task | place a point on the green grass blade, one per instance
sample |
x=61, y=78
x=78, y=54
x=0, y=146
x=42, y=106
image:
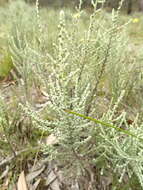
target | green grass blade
x=104, y=124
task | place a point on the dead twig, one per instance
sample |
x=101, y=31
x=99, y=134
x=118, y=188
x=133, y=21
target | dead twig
x=10, y=158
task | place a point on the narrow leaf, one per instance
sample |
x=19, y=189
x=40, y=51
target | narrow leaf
x=21, y=185
x=104, y=124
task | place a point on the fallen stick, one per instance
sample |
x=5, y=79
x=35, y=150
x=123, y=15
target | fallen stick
x=10, y=158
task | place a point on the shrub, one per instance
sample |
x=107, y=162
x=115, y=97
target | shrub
x=87, y=69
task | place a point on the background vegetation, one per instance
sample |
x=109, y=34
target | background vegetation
x=53, y=61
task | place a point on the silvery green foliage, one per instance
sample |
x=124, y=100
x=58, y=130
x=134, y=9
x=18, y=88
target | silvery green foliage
x=71, y=78
x=124, y=152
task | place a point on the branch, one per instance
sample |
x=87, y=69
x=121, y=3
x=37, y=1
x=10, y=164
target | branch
x=10, y=158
